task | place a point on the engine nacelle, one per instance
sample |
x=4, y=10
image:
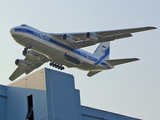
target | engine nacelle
x=28, y=54
x=20, y=63
x=68, y=38
x=92, y=37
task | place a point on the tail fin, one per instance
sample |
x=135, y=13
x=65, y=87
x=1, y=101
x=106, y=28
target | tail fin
x=103, y=50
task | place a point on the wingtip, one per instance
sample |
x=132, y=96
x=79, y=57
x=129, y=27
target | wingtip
x=11, y=79
x=88, y=75
x=152, y=27
x=137, y=59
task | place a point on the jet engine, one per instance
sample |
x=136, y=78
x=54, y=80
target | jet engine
x=28, y=54
x=20, y=63
x=68, y=38
x=92, y=37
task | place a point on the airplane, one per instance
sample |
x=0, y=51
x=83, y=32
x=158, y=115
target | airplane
x=63, y=49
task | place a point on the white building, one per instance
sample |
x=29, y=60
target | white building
x=48, y=95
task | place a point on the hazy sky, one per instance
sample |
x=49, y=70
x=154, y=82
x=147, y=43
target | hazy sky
x=131, y=89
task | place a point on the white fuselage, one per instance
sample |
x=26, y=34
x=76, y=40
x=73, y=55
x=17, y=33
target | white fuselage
x=55, y=49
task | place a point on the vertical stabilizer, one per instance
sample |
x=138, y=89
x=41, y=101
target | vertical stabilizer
x=103, y=50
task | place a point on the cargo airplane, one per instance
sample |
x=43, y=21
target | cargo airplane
x=64, y=49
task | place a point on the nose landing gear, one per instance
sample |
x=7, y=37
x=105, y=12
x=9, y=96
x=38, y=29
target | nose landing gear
x=56, y=65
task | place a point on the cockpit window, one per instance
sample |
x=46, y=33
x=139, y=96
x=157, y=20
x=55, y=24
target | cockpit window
x=24, y=25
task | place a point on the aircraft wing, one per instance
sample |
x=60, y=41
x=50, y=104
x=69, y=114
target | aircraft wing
x=18, y=72
x=31, y=64
x=80, y=40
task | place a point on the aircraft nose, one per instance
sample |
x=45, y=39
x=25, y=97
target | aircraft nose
x=12, y=31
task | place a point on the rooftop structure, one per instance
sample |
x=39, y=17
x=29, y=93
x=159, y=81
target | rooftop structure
x=48, y=95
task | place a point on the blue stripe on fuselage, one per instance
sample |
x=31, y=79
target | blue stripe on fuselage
x=99, y=61
x=43, y=37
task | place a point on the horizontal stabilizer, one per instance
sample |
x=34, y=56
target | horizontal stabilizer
x=91, y=73
x=120, y=61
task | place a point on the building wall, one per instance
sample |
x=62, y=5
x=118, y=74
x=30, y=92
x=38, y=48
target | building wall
x=3, y=102
x=18, y=91
x=54, y=98
x=62, y=97
x=95, y=114
x=17, y=107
